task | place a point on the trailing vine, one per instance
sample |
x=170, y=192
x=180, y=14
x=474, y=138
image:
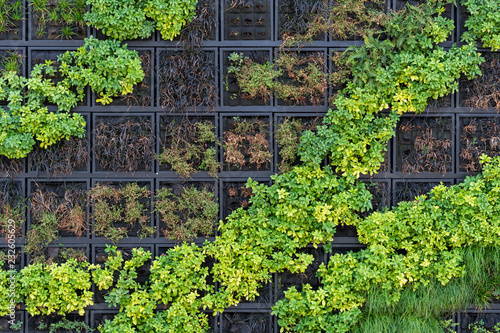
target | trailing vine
x=434, y=245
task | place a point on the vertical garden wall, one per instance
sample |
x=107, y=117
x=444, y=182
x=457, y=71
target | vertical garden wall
x=164, y=163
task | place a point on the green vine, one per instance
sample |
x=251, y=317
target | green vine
x=436, y=254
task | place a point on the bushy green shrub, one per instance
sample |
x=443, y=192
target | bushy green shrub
x=108, y=67
x=131, y=19
x=483, y=23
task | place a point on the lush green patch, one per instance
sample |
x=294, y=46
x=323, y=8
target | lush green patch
x=131, y=19
x=483, y=23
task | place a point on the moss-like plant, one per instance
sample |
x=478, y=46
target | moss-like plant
x=188, y=215
x=119, y=210
x=190, y=147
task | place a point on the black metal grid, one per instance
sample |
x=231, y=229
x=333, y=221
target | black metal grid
x=221, y=46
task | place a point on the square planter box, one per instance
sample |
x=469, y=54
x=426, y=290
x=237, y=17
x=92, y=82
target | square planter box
x=5, y=323
x=294, y=17
x=60, y=190
x=49, y=23
x=99, y=257
x=132, y=232
x=479, y=94
x=409, y=189
x=181, y=130
x=123, y=144
x=46, y=321
x=16, y=263
x=310, y=56
x=287, y=279
x=486, y=319
x=343, y=39
x=381, y=192
x=246, y=321
x=231, y=95
x=234, y=194
x=477, y=136
x=11, y=167
x=99, y=317
x=38, y=55
x=42, y=323
x=177, y=189
x=13, y=192
x=203, y=27
x=15, y=27
x=60, y=253
x=187, y=80
x=8, y=52
x=63, y=159
x=246, y=151
x=300, y=123
x=142, y=96
x=247, y=19
x=424, y=145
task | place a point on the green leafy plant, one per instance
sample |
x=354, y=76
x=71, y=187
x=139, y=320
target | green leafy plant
x=483, y=23
x=120, y=19
x=478, y=327
x=345, y=20
x=56, y=288
x=108, y=67
x=356, y=133
x=68, y=325
x=23, y=124
x=437, y=240
x=136, y=305
x=124, y=205
x=297, y=80
x=177, y=279
x=190, y=147
x=288, y=138
x=132, y=19
x=187, y=215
